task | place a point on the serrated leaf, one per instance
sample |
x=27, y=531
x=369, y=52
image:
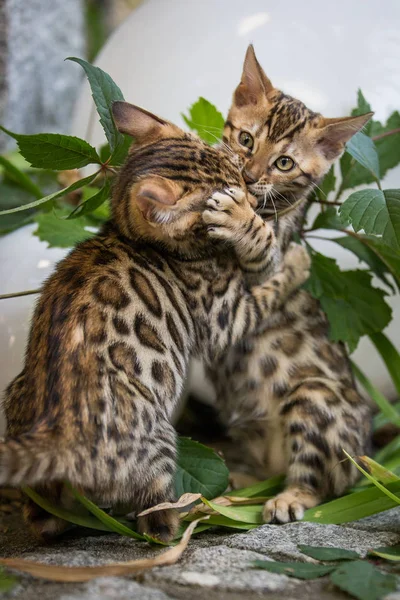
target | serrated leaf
x=55, y=151
x=362, y=108
x=199, y=469
x=387, y=552
x=61, y=233
x=376, y=212
x=362, y=148
x=120, y=153
x=327, y=553
x=206, y=120
x=294, y=569
x=104, y=92
x=362, y=580
x=390, y=257
x=327, y=185
x=20, y=178
x=365, y=254
x=352, y=507
x=328, y=219
x=92, y=203
x=51, y=197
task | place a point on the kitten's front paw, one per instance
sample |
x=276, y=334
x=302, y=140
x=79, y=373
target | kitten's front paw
x=283, y=509
x=226, y=213
x=298, y=261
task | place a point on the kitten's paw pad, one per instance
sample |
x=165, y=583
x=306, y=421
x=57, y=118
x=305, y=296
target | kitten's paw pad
x=162, y=525
x=283, y=509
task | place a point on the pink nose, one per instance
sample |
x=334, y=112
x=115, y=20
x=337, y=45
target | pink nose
x=249, y=177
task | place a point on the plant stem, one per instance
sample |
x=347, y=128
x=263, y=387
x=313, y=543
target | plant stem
x=17, y=294
x=327, y=202
x=386, y=134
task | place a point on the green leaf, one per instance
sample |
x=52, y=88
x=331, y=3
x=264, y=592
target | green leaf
x=83, y=520
x=206, y=120
x=92, y=203
x=60, y=233
x=378, y=471
x=390, y=356
x=327, y=553
x=20, y=178
x=362, y=580
x=353, y=506
x=121, y=151
x=380, y=400
x=10, y=197
x=7, y=582
x=55, y=151
x=243, y=514
x=375, y=211
x=111, y=523
x=347, y=297
x=362, y=148
x=269, y=487
x=328, y=219
x=363, y=107
x=387, y=552
x=328, y=184
x=53, y=196
x=388, y=147
x=390, y=257
x=200, y=470
x=104, y=92
x=366, y=254
x=294, y=569
x=373, y=480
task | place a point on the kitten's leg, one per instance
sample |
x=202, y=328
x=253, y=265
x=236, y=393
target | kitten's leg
x=319, y=418
x=160, y=487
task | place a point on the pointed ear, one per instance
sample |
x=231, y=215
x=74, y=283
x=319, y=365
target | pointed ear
x=155, y=196
x=141, y=124
x=254, y=83
x=334, y=133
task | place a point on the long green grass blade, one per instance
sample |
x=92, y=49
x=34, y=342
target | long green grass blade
x=111, y=523
x=269, y=487
x=373, y=480
x=353, y=506
x=390, y=356
x=82, y=520
x=243, y=514
x=384, y=405
x=387, y=552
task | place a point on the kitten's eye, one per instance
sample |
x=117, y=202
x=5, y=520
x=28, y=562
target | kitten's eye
x=284, y=163
x=246, y=140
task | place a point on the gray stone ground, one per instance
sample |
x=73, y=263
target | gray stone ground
x=215, y=566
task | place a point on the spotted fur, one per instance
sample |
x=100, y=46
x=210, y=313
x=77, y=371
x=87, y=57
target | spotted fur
x=286, y=394
x=116, y=323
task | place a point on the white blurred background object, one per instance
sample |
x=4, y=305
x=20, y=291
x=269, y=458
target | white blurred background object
x=169, y=52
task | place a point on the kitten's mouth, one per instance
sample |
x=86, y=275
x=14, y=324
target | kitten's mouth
x=270, y=201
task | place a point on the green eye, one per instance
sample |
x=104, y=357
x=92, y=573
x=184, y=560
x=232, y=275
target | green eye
x=284, y=163
x=246, y=140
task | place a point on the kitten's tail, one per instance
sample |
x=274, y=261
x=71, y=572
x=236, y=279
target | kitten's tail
x=31, y=459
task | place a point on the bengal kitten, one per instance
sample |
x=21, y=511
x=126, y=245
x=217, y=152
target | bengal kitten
x=116, y=323
x=286, y=394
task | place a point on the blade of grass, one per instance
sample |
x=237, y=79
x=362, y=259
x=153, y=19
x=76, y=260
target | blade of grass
x=378, y=471
x=353, y=506
x=384, y=405
x=82, y=520
x=390, y=356
x=102, y=516
x=243, y=514
x=269, y=487
x=373, y=480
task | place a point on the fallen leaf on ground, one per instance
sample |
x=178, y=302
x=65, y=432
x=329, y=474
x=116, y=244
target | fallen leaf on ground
x=81, y=574
x=183, y=501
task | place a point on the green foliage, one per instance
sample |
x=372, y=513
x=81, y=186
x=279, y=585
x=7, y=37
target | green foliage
x=328, y=553
x=387, y=552
x=7, y=582
x=199, y=470
x=362, y=580
x=60, y=232
x=376, y=212
x=347, y=297
x=294, y=569
x=362, y=148
x=206, y=120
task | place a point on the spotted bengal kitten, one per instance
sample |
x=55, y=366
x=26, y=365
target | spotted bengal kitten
x=118, y=320
x=286, y=394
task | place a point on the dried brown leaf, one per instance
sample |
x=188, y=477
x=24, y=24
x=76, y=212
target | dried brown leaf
x=183, y=501
x=81, y=574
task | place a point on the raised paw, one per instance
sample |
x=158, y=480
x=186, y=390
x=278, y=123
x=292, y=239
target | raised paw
x=226, y=213
x=288, y=506
x=162, y=525
x=298, y=261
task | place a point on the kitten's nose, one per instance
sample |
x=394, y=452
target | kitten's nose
x=249, y=177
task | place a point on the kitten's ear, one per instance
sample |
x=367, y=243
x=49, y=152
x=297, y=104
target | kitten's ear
x=334, y=133
x=254, y=83
x=141, y=124
x=155, y=196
